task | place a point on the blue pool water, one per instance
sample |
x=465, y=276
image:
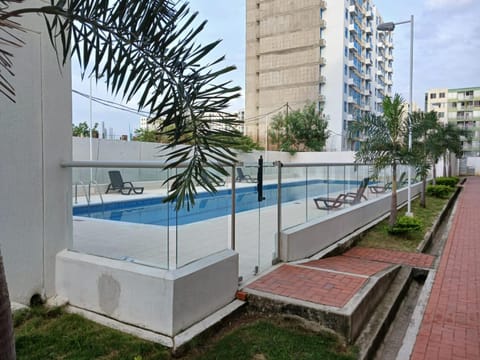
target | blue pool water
x=207, y=206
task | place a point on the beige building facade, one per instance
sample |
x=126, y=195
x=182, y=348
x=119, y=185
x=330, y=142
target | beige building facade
x=325, y=52
x=460, y=106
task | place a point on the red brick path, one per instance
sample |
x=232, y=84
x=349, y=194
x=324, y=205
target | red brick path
x=333, y=281
x=451, y=324
x=392, y=256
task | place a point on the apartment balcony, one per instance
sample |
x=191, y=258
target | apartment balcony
x=380, y=59
x=322, y=79
x=368, y=61
x=352, y=9
x=388, y=81
x=369, y=14
x=351, y=46
x=378, y=100
x=322, y=24
x=368, y=45
x=350, y=100
x=388, y=56
x=351, y=28
x=366, y=107
x=381, y=45
x=322, y=43
x=389, y=69
x=368, y=29
x=323, y=5
x=351, y=64
x=349, y=117
x=321, y=98
x=380, y=73
x=350, y=82
x=322, y=61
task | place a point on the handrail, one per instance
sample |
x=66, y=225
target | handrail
x=128, y=164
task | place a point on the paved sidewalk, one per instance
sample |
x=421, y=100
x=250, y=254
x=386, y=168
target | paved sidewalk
x=451, y=324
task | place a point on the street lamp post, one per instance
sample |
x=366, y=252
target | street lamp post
x=390, y=26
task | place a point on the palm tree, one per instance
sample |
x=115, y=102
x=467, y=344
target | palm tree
x=425, y=148
x=144, y=49
x=382, y=142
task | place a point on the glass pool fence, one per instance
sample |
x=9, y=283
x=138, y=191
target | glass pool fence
x=251, y=207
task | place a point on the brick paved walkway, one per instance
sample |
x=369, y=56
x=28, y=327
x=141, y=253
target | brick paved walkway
x=335, y=280
x=451, y=324
x=392, y=256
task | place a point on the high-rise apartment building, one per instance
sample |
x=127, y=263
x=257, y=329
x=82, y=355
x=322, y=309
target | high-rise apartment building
x=326, y=52
x=461, y=107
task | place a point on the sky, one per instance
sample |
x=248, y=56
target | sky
x=446, y=52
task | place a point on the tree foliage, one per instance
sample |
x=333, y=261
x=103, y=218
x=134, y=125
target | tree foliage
x=299, y=130
x=83, y=130
x=146, y=135
x=144, y=49
x=383, y=142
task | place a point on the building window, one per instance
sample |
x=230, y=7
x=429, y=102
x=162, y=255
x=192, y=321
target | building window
x=346, y=33
x=346, y=14
x=441, y=95
x=346, y=51
x=345, y=70
x=441, y=114
x=345, y=88
x=345, y=108
x=433, y=96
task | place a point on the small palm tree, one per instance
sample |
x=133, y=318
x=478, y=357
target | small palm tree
x=382, y=142
x=425, y=147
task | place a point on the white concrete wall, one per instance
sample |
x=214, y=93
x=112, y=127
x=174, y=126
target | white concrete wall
x=35, y=197
x=117, y=150
x=165, y=301
x=306, y=240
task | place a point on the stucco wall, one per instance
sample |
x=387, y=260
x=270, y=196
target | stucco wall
x=307, y=239
x=37, y=137
x=166, y=301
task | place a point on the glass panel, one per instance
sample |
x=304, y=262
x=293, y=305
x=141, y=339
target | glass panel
x=128, y=223
x=204, y=229
x=256, y=221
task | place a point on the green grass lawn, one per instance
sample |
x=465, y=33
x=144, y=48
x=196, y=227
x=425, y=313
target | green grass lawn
x=378, y=236
x=53, y=334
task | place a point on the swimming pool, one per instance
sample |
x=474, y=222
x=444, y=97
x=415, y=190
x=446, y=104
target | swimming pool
x=207, y=206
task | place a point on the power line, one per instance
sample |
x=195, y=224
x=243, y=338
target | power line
x=263, y=115
x=112, y=104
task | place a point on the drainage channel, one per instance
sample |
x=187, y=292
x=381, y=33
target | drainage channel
x=394, y=338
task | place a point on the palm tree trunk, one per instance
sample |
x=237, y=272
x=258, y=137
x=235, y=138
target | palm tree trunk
x=444, y=165
x=434, y=174
x=393, y=206
x=423, y=198
x=7, y=341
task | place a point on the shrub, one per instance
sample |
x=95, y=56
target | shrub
x=406, y=224
x=439, y=191
x=447, y=181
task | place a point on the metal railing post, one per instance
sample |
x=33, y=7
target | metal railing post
x=233, y=244
x=279, y=208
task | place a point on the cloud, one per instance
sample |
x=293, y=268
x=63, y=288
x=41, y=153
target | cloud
x=443, y=4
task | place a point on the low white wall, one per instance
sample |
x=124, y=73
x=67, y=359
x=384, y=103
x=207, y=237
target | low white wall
x=305, y=240
x=165, y=301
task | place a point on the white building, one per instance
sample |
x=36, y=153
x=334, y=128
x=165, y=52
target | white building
x=326, y=52
x=437, y=100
